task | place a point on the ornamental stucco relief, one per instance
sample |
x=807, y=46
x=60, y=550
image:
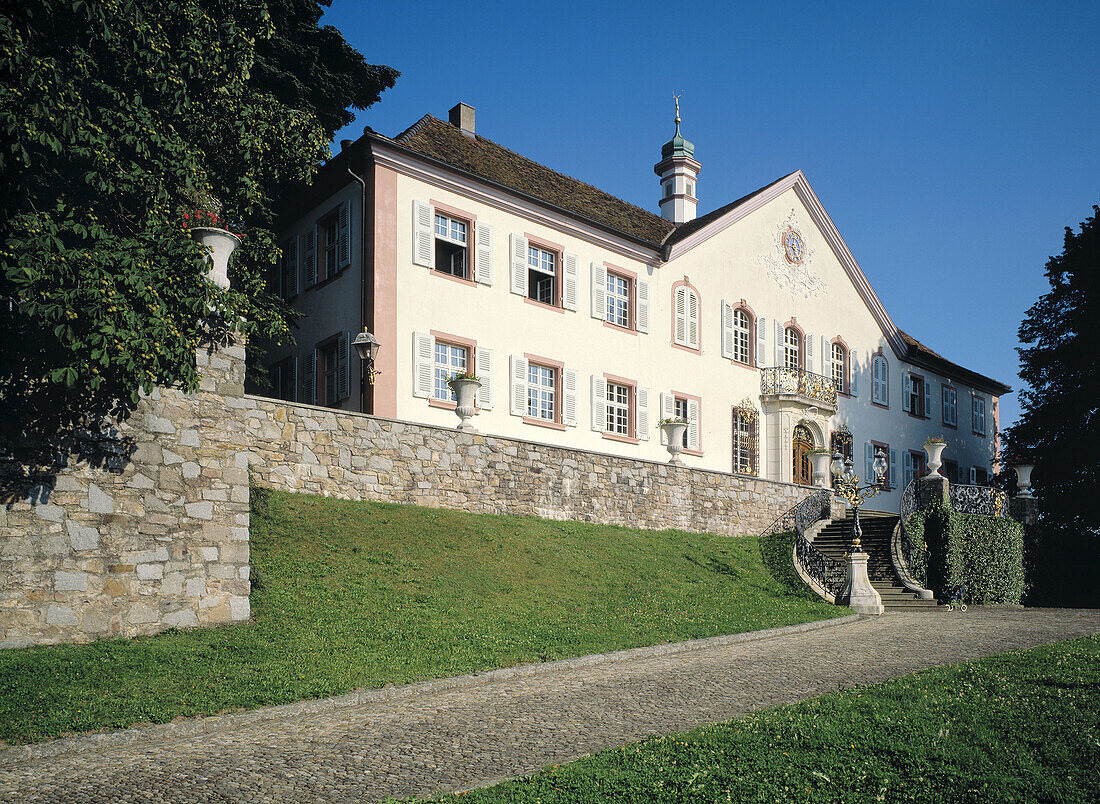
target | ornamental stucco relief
x=789, y=264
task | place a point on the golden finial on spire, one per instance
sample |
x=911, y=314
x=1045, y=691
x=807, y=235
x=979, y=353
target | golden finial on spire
x=677, y=99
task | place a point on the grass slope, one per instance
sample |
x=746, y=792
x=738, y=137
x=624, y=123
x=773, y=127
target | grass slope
x=1018, y=727
x=353, y=595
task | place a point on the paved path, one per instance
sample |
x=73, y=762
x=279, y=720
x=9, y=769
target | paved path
x=469, y=736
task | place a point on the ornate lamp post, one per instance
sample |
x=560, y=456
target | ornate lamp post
x=367, y=346
x=858, y=592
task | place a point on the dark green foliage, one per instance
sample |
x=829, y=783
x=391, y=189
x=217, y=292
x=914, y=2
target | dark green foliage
x=1059, y=429
x=351, y=595
x=1012, y=728
x=986, y=553
x=119, y=119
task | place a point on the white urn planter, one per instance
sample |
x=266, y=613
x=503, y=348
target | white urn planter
x=1023, y=478
x=674, y=438
x=819, y=468
x=466, y=393
x=219, y=245
x=934, y=449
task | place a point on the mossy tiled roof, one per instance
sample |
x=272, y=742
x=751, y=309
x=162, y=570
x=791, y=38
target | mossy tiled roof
x=484, y=158
x=917, y=351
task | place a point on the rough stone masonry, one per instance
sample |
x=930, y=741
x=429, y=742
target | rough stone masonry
x=162, y=544
x=165, y=543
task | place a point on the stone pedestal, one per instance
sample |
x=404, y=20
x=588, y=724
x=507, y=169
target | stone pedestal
x=858, y=593
x=932, y=491
x=1024, y=510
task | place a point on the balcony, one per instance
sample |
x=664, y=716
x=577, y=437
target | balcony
x=797, y=385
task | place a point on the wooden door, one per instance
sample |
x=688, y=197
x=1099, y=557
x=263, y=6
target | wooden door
x=803, y=443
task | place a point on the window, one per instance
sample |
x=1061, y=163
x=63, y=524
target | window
x=950, y=408
x=686, y=317
x=742, y=336
x=977, y=415
x=979, y=476
x=691, y=188
x=841, y=441
x=284, y=380
x=542, y=275
x=915, y=395
x=618, y=409
x=915, y=466
x=681, y=412
x=880, y=381
x=327, y=370
x=449, y=361
x=667, y=189
x=328, y=229
x=288, y=269
x=618, y=300
x=840, y=368
x=542, y=384
x=792, y=348
x=871, y=449
x=451, y=242
x=745, y=440
x=950, y=470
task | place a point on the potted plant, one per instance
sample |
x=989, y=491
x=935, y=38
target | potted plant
x=465, y=386
x=933, y=448
x=673, y=430
x=819, y=462
x=206, y=224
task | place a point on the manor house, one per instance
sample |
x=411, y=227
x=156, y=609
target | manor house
x=589, y=319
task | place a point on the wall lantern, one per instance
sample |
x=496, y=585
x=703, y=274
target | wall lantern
x=367, y=346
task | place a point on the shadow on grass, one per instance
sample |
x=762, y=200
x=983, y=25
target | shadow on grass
x=775, y=553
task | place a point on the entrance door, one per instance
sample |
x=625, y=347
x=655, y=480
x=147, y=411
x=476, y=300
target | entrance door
x=803, y=443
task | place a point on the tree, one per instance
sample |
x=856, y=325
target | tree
x=1059, y=427
x=121, y=118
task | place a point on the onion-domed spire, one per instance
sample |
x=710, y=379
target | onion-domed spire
x=678, y=171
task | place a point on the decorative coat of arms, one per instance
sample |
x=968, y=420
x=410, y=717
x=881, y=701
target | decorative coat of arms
x=789, y=265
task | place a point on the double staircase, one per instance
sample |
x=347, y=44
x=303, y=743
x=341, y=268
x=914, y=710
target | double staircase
x=835, y=541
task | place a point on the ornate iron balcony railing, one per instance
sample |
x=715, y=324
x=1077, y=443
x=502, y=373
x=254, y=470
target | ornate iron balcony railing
x=797, y=381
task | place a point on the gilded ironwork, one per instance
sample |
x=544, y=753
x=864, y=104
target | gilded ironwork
x=746, y=439
x=981, y=500
x=800, y=382
x=828, y=572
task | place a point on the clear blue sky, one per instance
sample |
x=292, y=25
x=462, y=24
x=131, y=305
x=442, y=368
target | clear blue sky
x=950, y=142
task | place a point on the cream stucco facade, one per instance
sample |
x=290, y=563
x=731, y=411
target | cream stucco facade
x=746, y=258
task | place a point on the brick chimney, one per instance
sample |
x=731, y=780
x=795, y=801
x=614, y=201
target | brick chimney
x=462, y=118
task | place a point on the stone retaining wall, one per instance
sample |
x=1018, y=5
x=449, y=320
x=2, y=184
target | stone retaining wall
x=163, y=543
x=360, y=457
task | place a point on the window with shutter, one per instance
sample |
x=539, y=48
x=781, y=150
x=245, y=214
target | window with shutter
x=289, y=282
x=517, y=373
x=569, y=397
x=423, y=364
x=680, y=332
x=309, y=378
x=641, y=322
x=618, y=300
x=517, y=250
x=343, y=234
x=485, y=374
x=449, y=359
x=727, y=329
x=328, y=245
x=949, y=415
x=811, y=355
x=668, y=411
x=839, y=366
x=569, y=297
x=484, y=254
x=422, y=234
x=599, y=404
x=761, y=341
x=451, y=242
x=686, y=316
x=599, y=291
x=309, y=258
x=906, y=391
x=926, y=410
x=343, y=367
x=880, y=381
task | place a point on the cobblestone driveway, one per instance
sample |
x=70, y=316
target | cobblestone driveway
x=470, y=736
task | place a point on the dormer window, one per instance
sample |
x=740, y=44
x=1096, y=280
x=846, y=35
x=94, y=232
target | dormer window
x=451, y=236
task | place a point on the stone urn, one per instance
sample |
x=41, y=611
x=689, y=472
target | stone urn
x=934, y=449
x=465, y=389
x=1023, y=478
x=674, y=438
x=219, y=244
x=819, y=468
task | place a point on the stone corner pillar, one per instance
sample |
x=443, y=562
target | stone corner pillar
x=858, y=594
x=933, y=490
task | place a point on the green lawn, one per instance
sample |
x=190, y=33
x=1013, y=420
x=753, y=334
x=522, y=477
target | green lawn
x=1020, y=727
x=359, y=595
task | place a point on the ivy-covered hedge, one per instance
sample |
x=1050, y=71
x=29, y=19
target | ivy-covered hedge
x=986, y=553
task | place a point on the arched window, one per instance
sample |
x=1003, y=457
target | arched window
x=746, y=439
x=742, y=336
x=792, y=348
x=880, y=375
x=686, y=318
x=840, y=368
